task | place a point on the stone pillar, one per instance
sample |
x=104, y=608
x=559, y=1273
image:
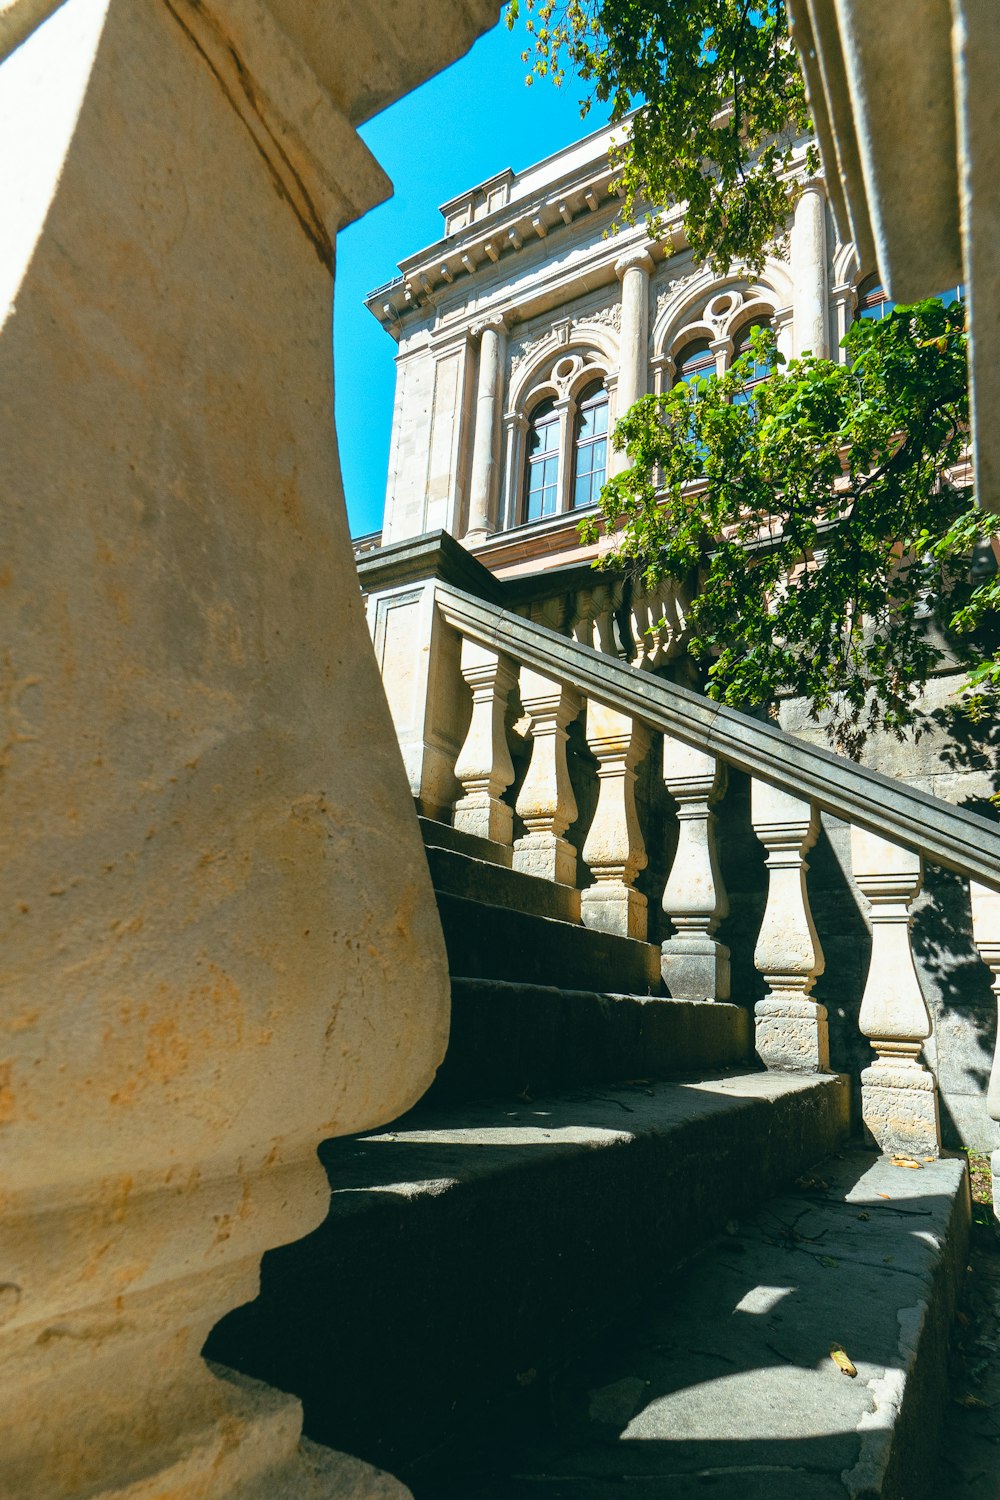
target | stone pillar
x=515, y=427
x=419, y=657
x=809, y=277
x=484, y=482
x=614, y=847
x=545, y=801
x=566, y=411
x=986, y=932
x=843, y=301
x=898, y=1093
x=791, y=1029
x=694, y=966
x=198, y=984
x=633, y=270
x=484, y=767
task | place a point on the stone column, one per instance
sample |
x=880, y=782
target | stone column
x=614, y=847
x=516, y=426
x=633, y=271
x=545, y=801
x=898, y=1093
x=566, y=412
x=809, y=276
x=791, y=1029
x=694, y=966
x=484, y=768
x=484, y=481
x=207, y=835
x=843, y=301
x=986, y=932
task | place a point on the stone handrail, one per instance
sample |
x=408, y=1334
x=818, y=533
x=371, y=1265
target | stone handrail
x=469, y=680
x=947, y=835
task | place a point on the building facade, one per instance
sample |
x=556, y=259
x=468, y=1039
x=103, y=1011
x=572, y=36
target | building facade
x=523, y=334
x=536, y=321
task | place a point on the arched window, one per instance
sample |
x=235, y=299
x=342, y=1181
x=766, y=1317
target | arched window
x=542, y=494
x=759, y=369
x=591, y=445
x=873, y=300
x=695, y=362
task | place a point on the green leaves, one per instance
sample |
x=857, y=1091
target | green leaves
x=817, y=515
x=722, y=101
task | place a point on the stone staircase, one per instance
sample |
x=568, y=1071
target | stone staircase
x=612, y=1250
x=567, y=1227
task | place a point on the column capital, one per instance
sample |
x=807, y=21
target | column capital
x=638, y=258
x=499, y=322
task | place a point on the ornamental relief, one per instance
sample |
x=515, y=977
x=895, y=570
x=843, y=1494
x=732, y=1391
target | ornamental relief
x=525, y=351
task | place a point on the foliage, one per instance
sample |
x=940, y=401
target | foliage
x=722, y=99
x=816, y=515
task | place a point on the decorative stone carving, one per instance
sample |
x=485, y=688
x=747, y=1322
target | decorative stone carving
x=693, y=964
x=591, y=616
x=546, y=802
x=791, y=1029
x=898, y=1093
x=525, y=350
x=614, y=847
x=658, y=625
x=611, y=317
x=484, y=767
x=986, y=932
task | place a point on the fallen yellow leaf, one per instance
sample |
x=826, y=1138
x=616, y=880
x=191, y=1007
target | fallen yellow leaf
x=843, y=1361
x=906, y=1161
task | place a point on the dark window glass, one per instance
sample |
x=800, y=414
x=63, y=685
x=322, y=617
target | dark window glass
x=873, y=300
x=759, y=369
x=695, y=362
x=591, y=455
x=543, y=462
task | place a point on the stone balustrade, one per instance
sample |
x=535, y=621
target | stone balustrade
x=637, y=727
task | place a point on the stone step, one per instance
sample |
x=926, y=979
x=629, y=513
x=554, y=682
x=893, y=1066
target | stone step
x=443, y=836
x=724, y=1385
x=470, y=1249
x=520, y=1039
x=495, y=942
x=456, y=874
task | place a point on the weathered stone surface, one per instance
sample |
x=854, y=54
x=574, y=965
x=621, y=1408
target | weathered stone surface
x=723, y=1382
x=467, y=1247
x=212, y=877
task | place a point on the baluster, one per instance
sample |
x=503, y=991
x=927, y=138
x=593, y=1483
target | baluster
x=546, y=802
x=899, y=1102
x=484, y=766
x=694, y=965
x=614, y=848
x=986, y=932
x=791, y=1028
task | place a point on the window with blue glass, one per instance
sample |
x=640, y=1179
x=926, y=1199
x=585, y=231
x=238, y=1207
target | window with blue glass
x=695, y=362
x=543, y=462
x=759, y=370
x=591, y=446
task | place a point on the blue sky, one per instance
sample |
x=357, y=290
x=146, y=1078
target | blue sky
x=460, y=128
